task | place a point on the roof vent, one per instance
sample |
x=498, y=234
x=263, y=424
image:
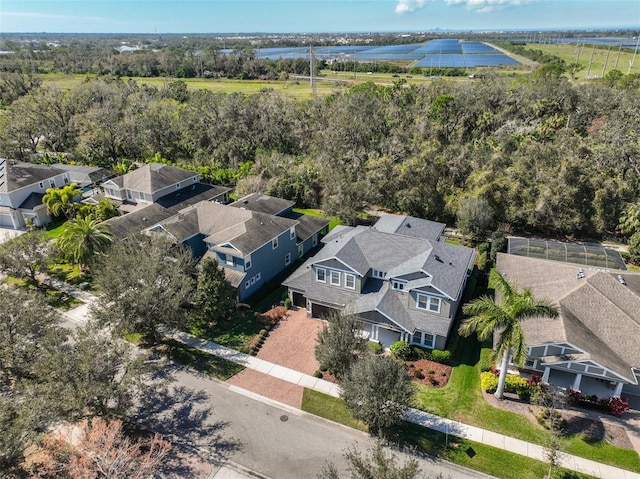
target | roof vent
x=580, y=274
x=438, y=258
x=621, y=279
x=408, y=225
x=246, y=202
x=144, y=219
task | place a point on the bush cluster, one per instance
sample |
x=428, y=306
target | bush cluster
x=401, y=350
x=612, y=405
x=513, y=383
x=259, y=341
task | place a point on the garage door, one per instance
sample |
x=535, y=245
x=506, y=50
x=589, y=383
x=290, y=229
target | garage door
x=298, y=300
x=321, y=311
x=5, y=220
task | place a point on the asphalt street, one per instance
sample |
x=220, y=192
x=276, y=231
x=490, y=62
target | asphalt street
x=275, y=441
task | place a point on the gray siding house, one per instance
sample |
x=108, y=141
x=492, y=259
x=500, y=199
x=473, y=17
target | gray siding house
x=149, y=183
x=309, y=229
x=23, y=185
x=398, y=277
x=593, y=345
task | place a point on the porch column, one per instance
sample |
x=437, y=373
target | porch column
x=545, y=375
x=576, y=382
x=618, y=390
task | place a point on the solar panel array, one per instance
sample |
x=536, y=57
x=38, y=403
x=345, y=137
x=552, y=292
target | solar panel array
x=443, y=53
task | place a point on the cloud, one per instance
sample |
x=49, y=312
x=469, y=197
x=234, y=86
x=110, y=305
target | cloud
x=485, y=6
x=408, y=6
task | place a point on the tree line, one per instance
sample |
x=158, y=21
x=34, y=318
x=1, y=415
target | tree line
x=548, y=156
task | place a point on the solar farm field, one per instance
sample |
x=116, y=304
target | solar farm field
x=443, y=53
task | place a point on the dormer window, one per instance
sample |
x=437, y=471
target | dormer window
x=247, y=263
x=349, y=281
x=229, y=259
x=334, y=278
x=398, y=285
x=321, y=275
x=376, y=273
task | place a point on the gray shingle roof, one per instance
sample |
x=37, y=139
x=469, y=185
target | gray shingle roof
x=364, y=249
x=410, y=226
x=19, y=174
x=152, y=177
x=598, y=314
x=263, y=203
x=245, y=230
x=307, y=225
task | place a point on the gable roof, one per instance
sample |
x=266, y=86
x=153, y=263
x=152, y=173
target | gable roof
x=245, y=230
x=20, y=174
x=152, y=177
x=598, y=313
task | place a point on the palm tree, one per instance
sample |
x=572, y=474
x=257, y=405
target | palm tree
x=61, y=200
x=82, y=238
x=504, y=315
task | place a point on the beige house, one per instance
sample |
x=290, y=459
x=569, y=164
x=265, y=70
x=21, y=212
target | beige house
x=594, y=346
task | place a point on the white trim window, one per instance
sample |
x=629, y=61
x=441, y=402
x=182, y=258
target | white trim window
x=398, y=285
x=287, y=259
x=177, y=186
x=247, y=284
x=274, y=243
x=334, y=278
x=350, y=281
x=52, y=182
x=321, y=275
x=258, y=276
x=247, y=262
x=229, y=259
x=423, y=339
x=428, y=303
x=376, y=273
x=41, y=185
x=141, y=195
x=314, y=240
x=292, y=233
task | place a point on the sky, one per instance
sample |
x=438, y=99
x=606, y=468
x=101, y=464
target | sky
x=311, y=16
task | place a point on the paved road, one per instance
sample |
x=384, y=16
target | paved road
x=277, y=442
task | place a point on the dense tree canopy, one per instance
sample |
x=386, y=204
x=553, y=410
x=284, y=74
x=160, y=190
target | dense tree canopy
x=144, y=282
x=549, y=156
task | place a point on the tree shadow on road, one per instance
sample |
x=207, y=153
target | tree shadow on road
x=185, y=417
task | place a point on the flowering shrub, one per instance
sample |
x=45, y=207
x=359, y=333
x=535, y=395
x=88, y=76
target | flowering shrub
x=613, y=405
x=513, y=383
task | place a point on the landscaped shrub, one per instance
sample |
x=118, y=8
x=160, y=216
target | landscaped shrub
x=375, y=348
x=263, y=332
x=524, y=394
x=419, y=374
x=420, y=353
x=443, y=357
x=488, y=382
x=287, y=303
x=401, y=350
x=612, y=405
x=513, y=383
x=317, y=373
x=430, y=371
x=486, y=359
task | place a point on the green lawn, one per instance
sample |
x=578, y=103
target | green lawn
x=490, y=460
x=69, y=273
x=53, y=230
x=331, y=408
x=568, y=53
x=314, y=212
x=235, y=333
x=206, y=363
x=461, y=399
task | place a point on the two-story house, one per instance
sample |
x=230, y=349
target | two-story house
x=149, y=183
x=593, y=345
x=251, y=247
x=23, y=185
x=309, y=229
x=399, y=278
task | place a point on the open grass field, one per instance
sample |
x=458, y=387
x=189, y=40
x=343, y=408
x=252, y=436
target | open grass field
x=568, y=53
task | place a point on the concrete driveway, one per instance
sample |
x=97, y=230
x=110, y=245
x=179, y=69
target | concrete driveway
x=8, y=233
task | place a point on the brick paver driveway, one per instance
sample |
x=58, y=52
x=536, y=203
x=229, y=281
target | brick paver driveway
x=290, y=344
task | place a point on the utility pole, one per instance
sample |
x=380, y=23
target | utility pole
x=591, y=60
x=633, y=59
x=606, y=60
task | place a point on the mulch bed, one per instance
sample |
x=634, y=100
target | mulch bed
x=419, y=371
x=577, y=422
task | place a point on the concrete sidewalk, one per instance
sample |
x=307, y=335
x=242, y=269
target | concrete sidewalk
x=415, y=416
